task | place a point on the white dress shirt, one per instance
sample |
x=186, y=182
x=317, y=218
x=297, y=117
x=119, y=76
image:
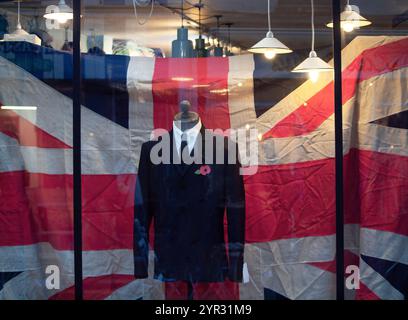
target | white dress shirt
x=190, y=134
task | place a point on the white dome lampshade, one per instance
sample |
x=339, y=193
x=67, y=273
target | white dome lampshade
x=19, y=30
x=20, y=34
x=351, y=19
x=269, y=45
x=62, y=15
x=313, y=65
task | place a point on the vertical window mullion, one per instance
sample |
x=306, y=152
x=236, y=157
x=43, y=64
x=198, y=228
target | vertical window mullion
x=338, y=124
x=77, y=186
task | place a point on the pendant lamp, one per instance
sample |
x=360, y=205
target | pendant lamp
x=218, y=49
x=351, y=19
x=228, y=50
x=269, y=46
x=62, y=14
x=182, y=47
x=19, y=34
x=313, y=65
x=19, y=30
x=200, y=50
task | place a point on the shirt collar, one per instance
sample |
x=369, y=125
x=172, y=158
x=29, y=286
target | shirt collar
x=191, y=134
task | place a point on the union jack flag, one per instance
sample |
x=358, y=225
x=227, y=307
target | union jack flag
x=290, y=235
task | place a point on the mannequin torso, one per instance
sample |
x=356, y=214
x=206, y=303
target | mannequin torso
x=186, y=119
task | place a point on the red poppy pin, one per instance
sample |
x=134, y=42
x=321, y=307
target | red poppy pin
x=204, y=170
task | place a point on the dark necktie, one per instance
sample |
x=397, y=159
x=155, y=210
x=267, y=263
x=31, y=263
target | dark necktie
x=183, y=146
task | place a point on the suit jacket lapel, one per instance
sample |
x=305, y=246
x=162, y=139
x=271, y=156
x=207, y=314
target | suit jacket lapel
x=184, y=169
x=175, y=158
x=190, y=169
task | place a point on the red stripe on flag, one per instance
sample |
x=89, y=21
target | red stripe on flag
x=26, y=133
x=40, y=209
x=290, y=201
x=364, y=293
x=203, y=82
x=15, y=214
x=297, y=200
x=376, y=190
x=108, y=203
x=370, y=63
x=37, y=207
x=325, y=265
x=226, y=290
x=96, y=288
x=283, y=201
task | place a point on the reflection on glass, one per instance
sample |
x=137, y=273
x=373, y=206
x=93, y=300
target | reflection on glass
x=131, y=93
x=36, y=225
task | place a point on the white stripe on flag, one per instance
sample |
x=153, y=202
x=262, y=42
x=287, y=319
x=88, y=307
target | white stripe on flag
x=300, y=281
x=269, y=261
x=54, y=110
x=382, y=96
x=384, y=245
x=352, y=238
x=11, y=158
x=36, y=256
x=241, y=91
x=102, y=138
x=139, y=85
x=32, y=260
x=59, y=161
x=308, y=89
x=148, y=289
x=297, y=250
x=30, y=285
x=253, y=289
x=319, y=144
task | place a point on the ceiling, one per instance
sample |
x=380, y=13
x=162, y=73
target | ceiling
x=290, y=19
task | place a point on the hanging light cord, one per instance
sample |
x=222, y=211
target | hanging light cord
x=182, y=13
x=18, y=13
x=143, y=4
x=229, y=35
x=218, y=31
x=199, y=20
x=269, y=15
x=313, y=27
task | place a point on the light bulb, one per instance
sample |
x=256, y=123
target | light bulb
x=348, y=26
x=270, y=54
x=313, y=76
x=60, y=17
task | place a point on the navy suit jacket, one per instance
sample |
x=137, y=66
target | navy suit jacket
x=188, y=210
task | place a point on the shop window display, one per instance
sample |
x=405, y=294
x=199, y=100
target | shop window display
x=208, y=165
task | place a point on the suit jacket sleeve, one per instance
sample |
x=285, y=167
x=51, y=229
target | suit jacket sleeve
x=142, y=215
x=235, y=207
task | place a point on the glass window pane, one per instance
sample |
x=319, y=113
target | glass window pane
x=374, y=60
x=36, y=219
x=214, y=234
